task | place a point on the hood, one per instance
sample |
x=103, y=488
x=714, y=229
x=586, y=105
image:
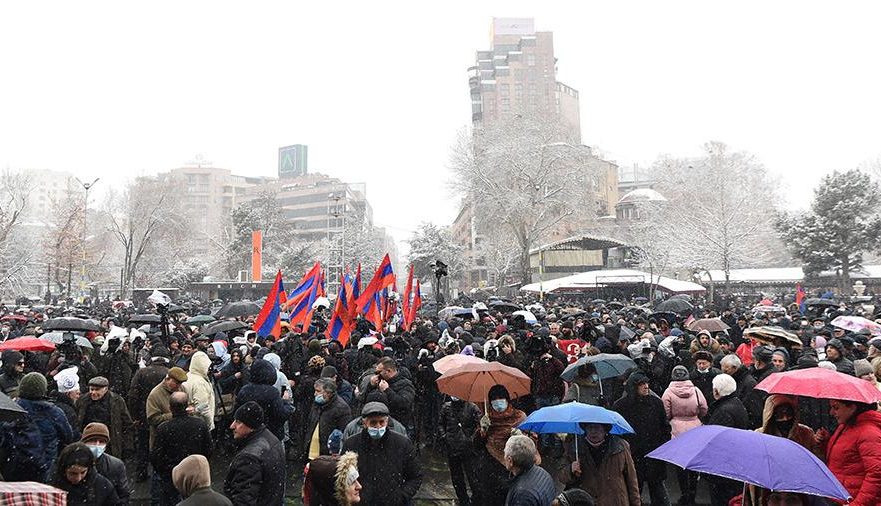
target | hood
x=191, y=474
x=273, y=359
x=199, y=364
x=10, y=358
x=714, y=348
x=771, y=404
x=262, y=373
x=837, y=344
x=635, y=378
x=683, y=389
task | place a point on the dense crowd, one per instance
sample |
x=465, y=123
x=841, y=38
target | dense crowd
x=358, y=417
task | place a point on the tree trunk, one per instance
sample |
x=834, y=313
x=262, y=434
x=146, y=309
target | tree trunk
x=525, y=270
x=844, y=287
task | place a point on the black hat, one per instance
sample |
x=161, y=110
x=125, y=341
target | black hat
x=250, y=414
x=328, y=371
x=702, y=355
x=762, y=353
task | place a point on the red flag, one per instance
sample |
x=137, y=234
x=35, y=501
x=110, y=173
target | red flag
x=268, y=322
x=383, y=278
x=405, y=302
x=410, y=316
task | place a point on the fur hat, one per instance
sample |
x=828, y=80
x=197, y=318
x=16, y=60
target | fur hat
x=346, y=475
x=33, y=386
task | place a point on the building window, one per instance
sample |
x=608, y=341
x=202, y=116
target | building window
x=505, y=104
x=530, y=59
x=504, y=90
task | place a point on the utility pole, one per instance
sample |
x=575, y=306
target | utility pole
x=86, y=187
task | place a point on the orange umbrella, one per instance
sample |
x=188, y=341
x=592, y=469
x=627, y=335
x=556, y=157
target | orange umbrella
x=473, y=381
x=448, y=362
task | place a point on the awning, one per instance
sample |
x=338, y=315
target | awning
x=589, y=280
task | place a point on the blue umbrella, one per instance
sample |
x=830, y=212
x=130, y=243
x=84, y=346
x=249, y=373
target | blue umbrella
x=608, y=365
x=565, y=419
x=770, y=462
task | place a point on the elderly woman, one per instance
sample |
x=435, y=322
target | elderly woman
x=75, y=474
x=491, y=475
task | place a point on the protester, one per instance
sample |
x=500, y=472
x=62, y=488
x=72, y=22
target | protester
x=192, y=479
x=329, y=413
x=199, y=388
x=96, y=436
x=256, y=475
x=491, y=475
x=75, y=474
x=853, y=452
x=603, y=468
x=458, y=422
x=532, y=485
x=13, y=372
x=684, y=406
x=727, y=411
x=158, y=409
x=275, y=408
x=398, y=392
x=54, y=430
x=835, y=353
x=143, y=382
x=66, y=394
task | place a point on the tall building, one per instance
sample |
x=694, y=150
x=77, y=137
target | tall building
x=293, y=161
x=47, y=189
x=518, y=74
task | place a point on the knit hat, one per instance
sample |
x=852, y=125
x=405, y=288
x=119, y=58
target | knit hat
x=11, y=357
x=862, y=367
x=820, y=343
x=680, y=373
x=160, y=353
x=329, y=371
x=250, y=414
x=67, y=380
x=95, y=429
x=836, y=343
x=33, y=386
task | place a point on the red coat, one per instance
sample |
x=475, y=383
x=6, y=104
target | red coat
x=853, y=454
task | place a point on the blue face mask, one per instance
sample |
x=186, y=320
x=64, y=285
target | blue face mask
x=97, y=450
x=376, y=433
x=499, y=405
x=319, y=399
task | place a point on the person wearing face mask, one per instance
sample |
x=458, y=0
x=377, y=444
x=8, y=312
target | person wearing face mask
x=703, y=373
x=489, y=464
x=96, y=436
x=604, y=467
x=389, y=472
x=329, y=412
x=458, y=422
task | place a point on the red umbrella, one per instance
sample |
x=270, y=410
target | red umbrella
x=821, y=383
x=15, y=317
x=473, y=381
x=28, y=343
x=448, y=362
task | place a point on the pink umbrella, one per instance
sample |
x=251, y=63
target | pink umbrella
x=448, y=362
x=856, y=324
x=821, y=383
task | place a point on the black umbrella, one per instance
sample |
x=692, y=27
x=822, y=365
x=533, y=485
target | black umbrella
x=683, y=296
x=505, y=307
x=237, y=309
x=71, y=323
x=145, y=318
x=223, y=326
x=667, y=315
x=9, y=410
x=821, y=302
x=615, y=305
x=674, y=306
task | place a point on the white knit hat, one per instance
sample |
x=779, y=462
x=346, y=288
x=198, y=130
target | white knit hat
x=67, y=380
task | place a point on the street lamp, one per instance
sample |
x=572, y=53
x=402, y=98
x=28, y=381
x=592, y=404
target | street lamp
x=86, y=187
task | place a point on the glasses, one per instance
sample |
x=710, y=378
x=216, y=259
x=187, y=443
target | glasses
x=21, y=363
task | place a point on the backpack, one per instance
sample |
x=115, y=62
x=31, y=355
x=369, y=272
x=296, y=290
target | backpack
x=24, y=458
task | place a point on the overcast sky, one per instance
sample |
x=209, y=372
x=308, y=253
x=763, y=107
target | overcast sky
x=378, y=90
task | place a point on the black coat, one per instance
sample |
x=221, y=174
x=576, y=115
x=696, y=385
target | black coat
x=141, y=385
x=95, y=490
x=177, y=438
x=256, y=475
x=728, y=411
x=458, y=422
x=753, y=400
x=648, y=418
x=328, y=416
x=389, y=472
x=114, y=470
x=262, y=391
x=704, y=382
x=399, y=397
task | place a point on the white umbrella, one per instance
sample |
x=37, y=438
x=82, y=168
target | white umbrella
x=58, y=338
x=321, y=302
x=527, y=315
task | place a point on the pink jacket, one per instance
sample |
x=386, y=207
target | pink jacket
x=684, y=404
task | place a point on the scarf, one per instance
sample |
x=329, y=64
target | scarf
x=500, y=430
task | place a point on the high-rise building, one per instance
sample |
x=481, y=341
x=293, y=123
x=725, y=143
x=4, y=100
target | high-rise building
x=293, y=161
x=518, y=74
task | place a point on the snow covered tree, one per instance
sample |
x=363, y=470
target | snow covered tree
x=262, y=213
x=429, y=243
x=18, y=247
x=719, y=212
x=527, y=175
x=843, y=223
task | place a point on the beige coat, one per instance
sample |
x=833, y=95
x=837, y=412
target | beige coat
x=613, y=482
x=199, y=389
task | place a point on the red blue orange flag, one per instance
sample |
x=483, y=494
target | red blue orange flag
x=341, y=324
x=405, y=301
x=268, y=322
x=301, y=300
x=383, y=278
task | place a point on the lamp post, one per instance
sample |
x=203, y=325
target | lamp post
x=86, y=187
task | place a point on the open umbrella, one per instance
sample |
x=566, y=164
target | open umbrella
x=770, y=462
x=237, y=309
x=677, y=306
x=615, y=305
x=20, y=318
x=856, y=324
x=708, y=324
x=608, y=365
x=448, y=362
x=566, y=419
x=821, y=302
x=57, y=337
x=821, y=383
x=770, y=333
x=769, y=309
x=473, y=381
x=71, y=323
x=505, y=307
x=527, y=315
x=223, y=326
x=27, y=343
x=145, y=318
x=200, y=319
x=9, y=409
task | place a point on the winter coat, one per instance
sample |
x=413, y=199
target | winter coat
x=704, y=382
x=753, y=400
x=118, y=368
x=400, y=395
x=611, y=482
x=728, y=411
x=713, y=348
x=684, y=405
x=67, y=406
x=177, y=438
x=114, y=470
x=229, y=384
x=120, y=423
x=142, y=384
x=801, y=434
x=389, y=472
x=94, y=490
x=458, y=421
x=9, y=379
x=332, y=415
x=205, y=496
x=199, y=388
x=545, y=374
x=533, y=487
x=583, y=390
x=256, y=475
x=158, y=409
x=646, y=414
x=55, y=431
x=262, y=391
x=853, y=454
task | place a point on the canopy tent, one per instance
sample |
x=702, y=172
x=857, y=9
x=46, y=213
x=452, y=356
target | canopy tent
x=590, y=280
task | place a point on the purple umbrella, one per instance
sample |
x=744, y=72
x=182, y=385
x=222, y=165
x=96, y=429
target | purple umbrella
x=770, y=462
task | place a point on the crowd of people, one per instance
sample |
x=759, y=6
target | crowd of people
x=359, y=418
